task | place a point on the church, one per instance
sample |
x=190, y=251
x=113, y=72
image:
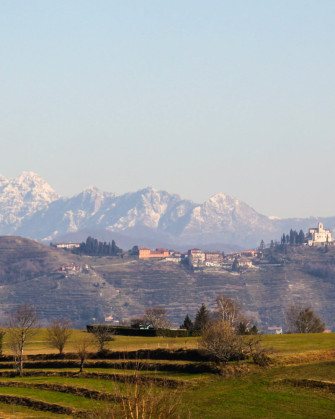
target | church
x=319, y=236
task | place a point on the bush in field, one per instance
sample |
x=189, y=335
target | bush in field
x=222, y=343
x=143, y=400
x=258, y=353
x=58, y=333
x=102, y=335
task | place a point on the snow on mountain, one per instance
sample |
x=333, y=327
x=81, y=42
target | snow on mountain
x=223, y=217
x=21, y=197
x=92, y=208
x=31, y=208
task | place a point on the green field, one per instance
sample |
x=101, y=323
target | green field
x=242, y=390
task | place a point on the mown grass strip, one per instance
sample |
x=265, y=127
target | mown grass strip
x=42, y=405
x=15, y=411
x=63, y=399
x=181, y=366
x=123, y=378
x=63, y=388
x=307, y=383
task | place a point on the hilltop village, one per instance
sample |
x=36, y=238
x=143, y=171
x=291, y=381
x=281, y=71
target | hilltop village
x=197, y=259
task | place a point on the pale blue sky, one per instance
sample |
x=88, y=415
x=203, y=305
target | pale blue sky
x=190, y=96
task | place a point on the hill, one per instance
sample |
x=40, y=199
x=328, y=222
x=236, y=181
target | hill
x=88, y=289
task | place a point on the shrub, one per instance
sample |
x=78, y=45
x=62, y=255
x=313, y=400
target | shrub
x=142, y=400
x=222, y=343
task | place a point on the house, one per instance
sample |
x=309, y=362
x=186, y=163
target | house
x=145, y=253
x=319, y=236
x=250, y=253
x=196, y=258
x=275, y=330
x=213, y=257
x=67, y=245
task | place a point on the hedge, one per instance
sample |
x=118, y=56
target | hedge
x=131, y=331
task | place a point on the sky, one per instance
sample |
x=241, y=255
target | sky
x=187, y=96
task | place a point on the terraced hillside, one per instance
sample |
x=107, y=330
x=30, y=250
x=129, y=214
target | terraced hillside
x=175, y=382
x=300, y=275
x=123, y=288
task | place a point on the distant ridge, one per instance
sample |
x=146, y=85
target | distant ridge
x=30, y=207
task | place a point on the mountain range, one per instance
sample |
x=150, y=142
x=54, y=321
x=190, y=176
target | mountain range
x=30, y=207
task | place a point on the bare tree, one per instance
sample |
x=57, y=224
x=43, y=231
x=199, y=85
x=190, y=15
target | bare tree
x=58, y=333
x=22, y=325
x=82, y=349
x=229, y=310
x=300, y=319
x=102, y=335
x=221, y=342
x=157, y=318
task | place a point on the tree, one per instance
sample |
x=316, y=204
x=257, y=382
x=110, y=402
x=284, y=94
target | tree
x=301, y=319
x=58, y=333
x=82, y=349
x=228, y=310
x=301, y=237
x=202, y=318
x=102, y=335
x=221, y=342
x=188, y=324
x=236, y=265
x=2, y=334
x=22, y=324
x=157, y=318
x=283, y=239
x=262, y=245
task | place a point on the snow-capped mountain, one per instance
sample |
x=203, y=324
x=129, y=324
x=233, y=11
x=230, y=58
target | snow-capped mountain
x=222, y=217
x=21, y=198
x=30, y=207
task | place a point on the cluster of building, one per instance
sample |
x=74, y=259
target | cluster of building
x=199, y=259
x=196, y=258
x=72, y=268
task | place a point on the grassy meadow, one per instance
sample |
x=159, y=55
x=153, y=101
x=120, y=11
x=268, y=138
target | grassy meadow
x=299, y=383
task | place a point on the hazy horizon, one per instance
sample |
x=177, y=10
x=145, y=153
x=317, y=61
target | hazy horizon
x=189, y=97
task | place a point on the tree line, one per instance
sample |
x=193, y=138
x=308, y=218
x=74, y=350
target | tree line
x=94, y=247
x=226, y=334
x=293, y=238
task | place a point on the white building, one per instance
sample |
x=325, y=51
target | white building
x=275, y=330
x=196, y=258
x=319, y=236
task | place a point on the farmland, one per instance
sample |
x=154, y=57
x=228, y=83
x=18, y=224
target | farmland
x=298, y=383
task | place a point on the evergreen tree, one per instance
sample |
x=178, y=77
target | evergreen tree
x=202, y=318
x=236, y=266
x=301, y=237
x=188, y=324
x=283, y=239
x=262, y=245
